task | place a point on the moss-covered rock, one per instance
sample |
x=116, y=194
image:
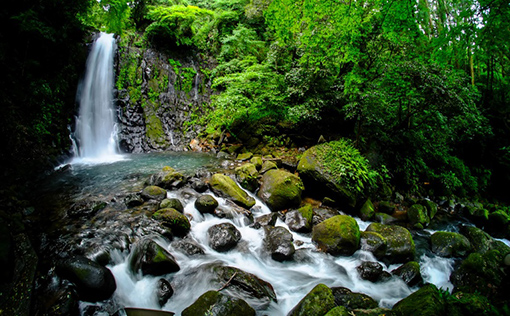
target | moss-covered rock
x=373, y=242
x=431, y=207
x=417, y=214
x=352, y=300
x=482, y=242
x=449, y=244
x=247, y=176
x=427, y=301
x=378, y=311
x=318, y=301
x=153, y=192
x=300, y=220
x=399, y=242
x=267, y=165
x=172, y=203
x=384, y=218
x=257, y=162
x=167, y=178
x=461, y=304
x=338, y=311
x=152, y=259
x=410, y=273
x=386, y=207
x=338, y=235
x=173, y=219
x=498, y=223
x=206, y=203
x=224, y=186
x=280, y=190
x=244, y=156
x=367, y=211
x=214, y=303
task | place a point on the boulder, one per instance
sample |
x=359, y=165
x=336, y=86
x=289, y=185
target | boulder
x=164, y=291
x=188, y=247
x=150, y=258
x=300, y=220
x=322, y=214
x=167, y=178
x=498, y=223
x=430, y=206
x=86, y=208
x=373, y=242
x=267, y=219
x=268, y=165
x=318, y=301
x=173, y=219
x=384, y=218
x=224, y=186
x=223, y=237
x=367, y=211
x=257, y=162
x=479, y=240
x=427, y=301
x=370, y=271
x=153, y=192
x=338, y=235
x=278, y=243
x=199, y=185
x=386, y=207
x=449, y=244
x=280, y=190
x=133, y=200
x=399, y=243
x=172, y=203
x=338, y=311
x=244, y=156
x=462, y=304
x=410, y=273
x=352, y=300
x=93, y=282
x=247, y=176
x=206, y=204
x=214, y=303
x=417, y=214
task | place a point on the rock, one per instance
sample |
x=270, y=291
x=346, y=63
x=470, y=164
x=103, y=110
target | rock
x=257, y=161
x=338, y=235
x=247, y=176
x=427, y=301
x=338, y=311
x=379, y=311
x=384, y=218
x=370, y=271
x=86, y=208
x=417, y=214
x=267, y=219
x=430, y=206
x=278, y=243
x=300, y=220
x=93, y=282
x=399, y=242
x=318, y=301
x=188, y=247
x=373, y=242
x=133, y=200
x=409, y=273
x=479, y=240
x=206, y=204
x=450, y=244
x=223, y=237
x=322, y=214
x=367, y=211
x=173, y=219
x=352, y=300
x=478, y=216
x=153, y=192
x=167, y=178
x=199, y=185
x=498, y=223
x=164, y=291
x=268, y=165
x=172, y=203
x=462, y=304
x=152, y=259
x=214, y=303
x=225, y=187
x=280, y=190
x=244, y=156
x=386, y=207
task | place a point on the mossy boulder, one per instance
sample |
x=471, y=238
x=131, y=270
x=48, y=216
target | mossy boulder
x=300, y=220
x=431, y=207
x=244, y=156
x=410, y=273
x=417, y=214
x=223, y=237
x=483, y=242
x=247, y=176
x=224, y=186
x=384, y=218
x=450, y=244
x=152, y=259
x=427, y=301
x=267, y=165
x=338, y=235
x=461, y=304
x=367, y=211
x=373, y=242
x=338, y=311
x=352, y=300
x=206, y=203
x=280, y=190
x=153, y=192
x=257, y=162
x=214, y=303
x=173, y=219
x=498, y=224
x=319, y=301
x=278, y=242
x=167, y=178
x=386, y=207
x=172, y=203
x=399, y=242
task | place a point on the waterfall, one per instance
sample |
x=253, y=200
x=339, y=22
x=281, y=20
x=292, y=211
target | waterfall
x=95, y=133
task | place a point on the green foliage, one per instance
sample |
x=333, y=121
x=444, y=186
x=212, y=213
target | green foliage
x=112, y=16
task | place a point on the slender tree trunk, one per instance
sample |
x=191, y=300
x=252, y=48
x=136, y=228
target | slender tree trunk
x=471, y=67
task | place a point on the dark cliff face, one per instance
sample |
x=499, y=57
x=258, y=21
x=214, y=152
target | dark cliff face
x=159, y=95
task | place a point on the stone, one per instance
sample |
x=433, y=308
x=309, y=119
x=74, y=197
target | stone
x=133, y=200
x=150, y=258
x=278, y=243
x=384, y=218
x=430, y=206
x=206, y=204
x=417, y=214
x=280, y=190
x=338, y=311
x=244, y=156
x=177, y=222
x=410, y=273
x=224, y=186
x=373, y=242
x=367, y=211
x=449, y=244
x=268, y=165
x=386, y=207
x=223, y=237
x=300, y=220
x=257, y=161
x=370, y=271
x=322, y=214
x=427, y=301
x=338, y=235
x=247, y=176
x=188, y=247
x=352, y=300
x=267, y=219
x=172, y=203
x=399, y=243
x=93, y=282
x=214, y=303
x=167, y=178
x=153, y=192
x=164, y=291
x=318, y=301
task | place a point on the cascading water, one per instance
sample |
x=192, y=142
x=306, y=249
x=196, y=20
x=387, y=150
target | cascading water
x=95, y=133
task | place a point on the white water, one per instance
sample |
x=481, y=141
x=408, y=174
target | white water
x=95, y=133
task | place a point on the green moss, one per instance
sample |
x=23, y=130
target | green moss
x=154, y=129
x=226, y=187
x=319, y=301
x=307, y=212
x=450, y=244
x=367, y=210
x=338, y=311
x=427, y=301
x=176, y=221
x=338, y=235
x=417, y=214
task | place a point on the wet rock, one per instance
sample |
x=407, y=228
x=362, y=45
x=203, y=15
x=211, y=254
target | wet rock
x=300, y=220
x=399, y=243
x=450, y=244
x=338, y=311
x=164, y=291
x=150, y=258
x=223, y=237
x=470, y=304
x=188, y=247
x=64, y=300
x=247, y=176
x=224, y=186
x=199, y=185
x=338, y=235
x=214, y=303
x=167, y=178
x=370, y=271
x=206, y=204
x=430, y=206
x=386, y=207
x=322, y=214
x=417, y=214
x=93, y=282
x=384, y=218
x=267, y=219
x=280, y=190
x=497, y=223
x=427, y=301
x=409, y=273
x=278, y=243
x=352, y=300
x=133, y=200
x=318, y=301
x=367, y=211
x=373, y=242
x=153, y=192
x=257, y=162
x=173, y=219
x=86, y=208
x=267, y=165
x=379, y=311
x=172, y=203
x=244, y=156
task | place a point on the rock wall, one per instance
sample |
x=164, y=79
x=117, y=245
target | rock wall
x=159, y=97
